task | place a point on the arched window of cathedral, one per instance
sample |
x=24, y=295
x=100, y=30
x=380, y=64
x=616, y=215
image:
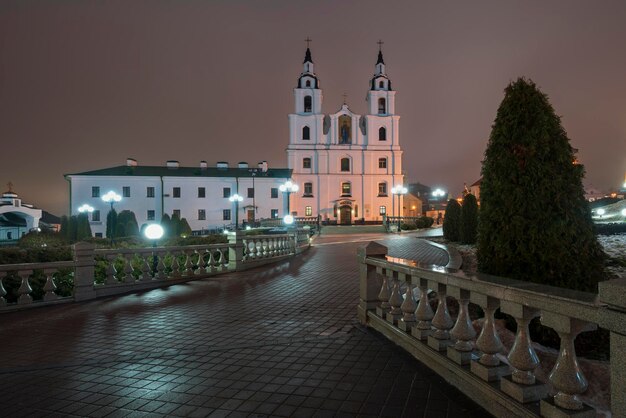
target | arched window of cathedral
x=382, y=189
x=382, y=163
x=381, y=84
x=382, y=134
x=306, y=133
x=307, y=103
x=345, y=164
x=308, y=83
x=306, y=163
x=382, y=106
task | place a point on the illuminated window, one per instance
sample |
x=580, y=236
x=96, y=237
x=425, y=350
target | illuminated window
x=382, y=210
x=346, y=189
x=308, y=211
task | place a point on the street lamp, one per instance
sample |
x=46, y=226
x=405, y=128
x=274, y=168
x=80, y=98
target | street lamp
x=154, y=232
x=399, y=190
x=236, y=198
x=112, y=198
x=438, y=193
x=253, y=173
x=85, y=208
x=288, y=187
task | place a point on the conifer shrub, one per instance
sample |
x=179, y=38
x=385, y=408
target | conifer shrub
x=452, y=221
x=469, y=219
x=535, y=224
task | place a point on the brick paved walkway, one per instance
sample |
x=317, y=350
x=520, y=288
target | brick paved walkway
x=279, y=341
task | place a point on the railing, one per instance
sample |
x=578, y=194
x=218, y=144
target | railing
x=94, y=273
x=475, y=364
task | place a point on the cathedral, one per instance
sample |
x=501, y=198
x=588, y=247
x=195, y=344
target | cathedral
x=345, y=164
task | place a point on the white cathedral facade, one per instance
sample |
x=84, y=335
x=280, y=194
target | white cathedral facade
x=344, y=163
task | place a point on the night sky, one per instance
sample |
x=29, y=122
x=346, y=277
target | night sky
x=85, y=84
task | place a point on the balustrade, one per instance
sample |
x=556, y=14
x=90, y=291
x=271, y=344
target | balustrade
x=455, y=351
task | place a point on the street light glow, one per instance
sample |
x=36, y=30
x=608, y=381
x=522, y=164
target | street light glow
x=439, y=192
x=111, y=196
x=235, y=198
x=623, y=212
x=288, y=219
x=153, y=231
x=85, y=208
x=600, y=211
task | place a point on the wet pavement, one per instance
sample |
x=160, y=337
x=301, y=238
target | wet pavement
x=281, y=340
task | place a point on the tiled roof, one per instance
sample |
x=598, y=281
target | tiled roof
x=155, y=171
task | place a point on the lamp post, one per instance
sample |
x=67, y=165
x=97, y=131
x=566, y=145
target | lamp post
x=111, y=197
x=236, y=198
x=288, y=187
x=154, y=232
x=253, y=173
x=399, y=190
x=438, y=193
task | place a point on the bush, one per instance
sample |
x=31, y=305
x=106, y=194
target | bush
x=408, y=226
x=452, y=221
x=469, y=219
x=427, y=221
x=610, y=229
x=535, y=224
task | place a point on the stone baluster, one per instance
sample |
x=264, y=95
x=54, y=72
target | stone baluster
x=24, y=290
x=202, y=265
x=383, y=297
x=463, y=331
x=522, y=385
x=146, y=267
x=110, y=271
x=50, y=286
x=440, y=339
x=488, y=367
x=395, y=300
x=175, y=266
x=271, y=246
x=424, y=313
x=3, y=292
x=264, y=247
x=128, y=269
x=160, y=273
x=188, y=264
x=566, y=377
x=408, y=309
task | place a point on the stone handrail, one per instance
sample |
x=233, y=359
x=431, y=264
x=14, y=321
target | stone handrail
x=103, y=272
x=505, y=386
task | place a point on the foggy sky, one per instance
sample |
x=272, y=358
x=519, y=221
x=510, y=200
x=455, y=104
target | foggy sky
x=83, y=85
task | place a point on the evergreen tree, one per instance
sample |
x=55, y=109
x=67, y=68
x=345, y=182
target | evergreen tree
x=535, y=224
x=175, y=226
x=165, y=224
x=72, y=228
x=65, y=227
x=452, y=221
x=184, y=228
x=469, y=219
x=83, y=229
x=111, y=223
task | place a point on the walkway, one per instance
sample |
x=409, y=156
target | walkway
x=278, y=341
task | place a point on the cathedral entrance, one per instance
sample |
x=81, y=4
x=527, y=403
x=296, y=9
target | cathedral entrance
x=345, y=215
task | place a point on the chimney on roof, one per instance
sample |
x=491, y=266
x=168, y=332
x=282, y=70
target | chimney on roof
x=131, y=162
x=203, y=165
x=263, y=166
x=243, y=164
x=172, y=164
x=222, y=165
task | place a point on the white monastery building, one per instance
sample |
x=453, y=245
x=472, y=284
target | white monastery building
x=198, y=194
x=345, y=164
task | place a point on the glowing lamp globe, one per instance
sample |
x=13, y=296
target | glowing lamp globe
x=623, y=212
x=600, y=211
x=153, y=231
x=288, y=219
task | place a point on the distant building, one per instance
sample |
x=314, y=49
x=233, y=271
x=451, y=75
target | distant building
x=345, y=164
x=16, y=218
x=198, y=194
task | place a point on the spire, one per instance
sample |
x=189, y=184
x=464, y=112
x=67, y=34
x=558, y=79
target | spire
x=307, y=56
x=380, y=58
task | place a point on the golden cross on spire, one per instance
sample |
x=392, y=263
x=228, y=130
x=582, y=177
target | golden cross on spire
x=10, y=186
x=308, y=41
x=345, y=97
x=380, y=44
